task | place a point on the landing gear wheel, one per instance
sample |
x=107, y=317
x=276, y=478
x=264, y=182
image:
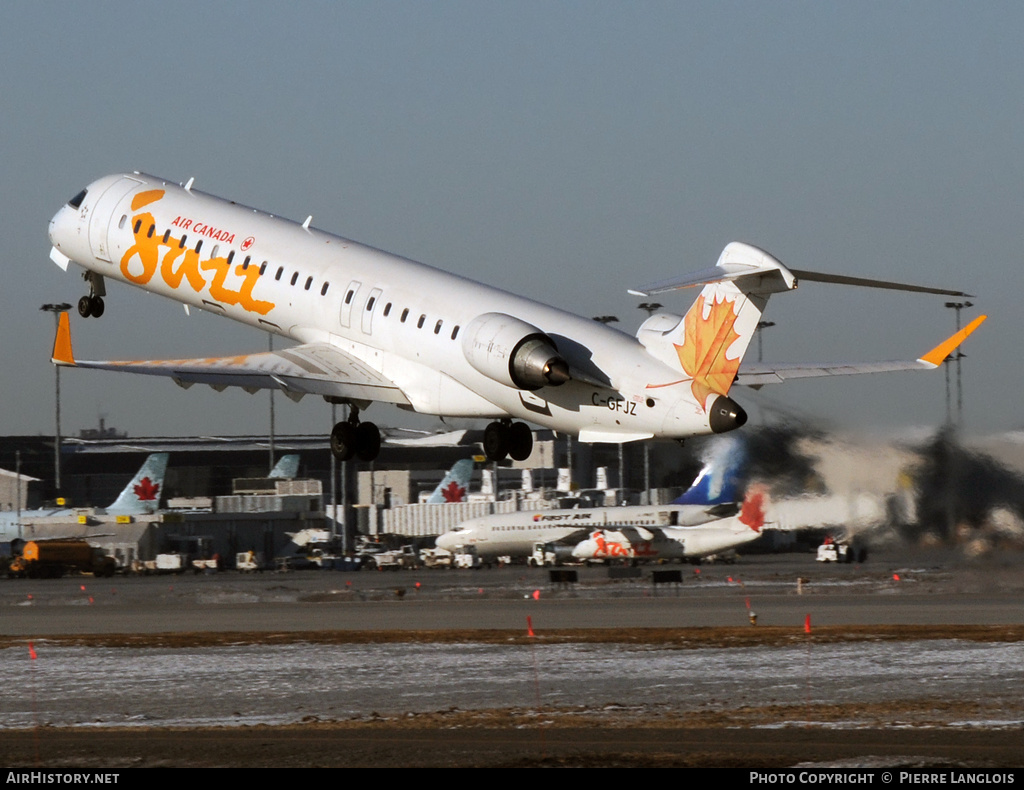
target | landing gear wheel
x=367, y=441
x=95, y=306
x=343, y=441
x=520, y=441
x=85, y=307
x=496, y=441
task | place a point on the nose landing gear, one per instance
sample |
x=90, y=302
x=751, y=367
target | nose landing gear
x=92, y=305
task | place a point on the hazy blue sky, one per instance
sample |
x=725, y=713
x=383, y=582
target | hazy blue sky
x=564, y=150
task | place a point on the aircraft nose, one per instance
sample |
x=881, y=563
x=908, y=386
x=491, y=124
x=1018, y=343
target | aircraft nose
x=55, y=223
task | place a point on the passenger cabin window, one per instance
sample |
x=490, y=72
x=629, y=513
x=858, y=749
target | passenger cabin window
x=323, y=291
x=167, y=235
x=295, y=277
x=387, y=309
x=455, y=331
x=152, y=230
x=405, y=314
x=76, y=201
x=369, y=303
x=309, y=282
x=138, y=226
x=199, y=245
x=348, y=296
x=280, y=271
x=231, y=256
x=215, y=250
x=181, y=244
x=120, y=224
x=263, y=268
x=419, y=324
x=437, y=327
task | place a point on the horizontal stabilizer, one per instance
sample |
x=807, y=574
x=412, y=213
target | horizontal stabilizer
x=839, y=279
x=763, y=274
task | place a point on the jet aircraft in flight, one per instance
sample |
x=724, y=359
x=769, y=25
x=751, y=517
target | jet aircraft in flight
x=371, y=326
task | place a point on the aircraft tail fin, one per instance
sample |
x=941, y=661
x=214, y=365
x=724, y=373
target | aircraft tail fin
x=286, y=467
x=709, y=342
x=719, y=481
x=142, y=495
x=455, y=485
x=752, y=514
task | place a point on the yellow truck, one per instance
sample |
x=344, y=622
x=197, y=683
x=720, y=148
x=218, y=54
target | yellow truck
x=51, y=559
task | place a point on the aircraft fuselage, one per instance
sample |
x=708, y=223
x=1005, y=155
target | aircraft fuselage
x=424, y=329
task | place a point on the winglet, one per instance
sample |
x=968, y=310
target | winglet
x=62, y=354
x=938, y=354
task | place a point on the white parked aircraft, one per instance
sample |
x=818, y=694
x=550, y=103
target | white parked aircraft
x=139, y=498
x=712, y=496
x=378, y=327
x=674, y=543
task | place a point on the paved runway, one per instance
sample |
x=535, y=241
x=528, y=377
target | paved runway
x=893, y=698
x=889, y=591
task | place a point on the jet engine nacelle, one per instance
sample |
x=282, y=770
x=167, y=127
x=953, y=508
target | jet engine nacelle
x=513, y=352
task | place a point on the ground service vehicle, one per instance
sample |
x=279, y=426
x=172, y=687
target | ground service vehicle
x=51, y=559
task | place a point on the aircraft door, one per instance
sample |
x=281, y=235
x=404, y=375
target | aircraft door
x=369, y=309
x=103, y=217
x=345, y=316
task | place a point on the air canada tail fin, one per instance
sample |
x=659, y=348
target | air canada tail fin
x=286, y=468
x=709, y=342
x=720, y=479
x=455, y=485
x=142, y=495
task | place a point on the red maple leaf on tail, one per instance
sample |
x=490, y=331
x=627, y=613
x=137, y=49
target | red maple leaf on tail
x=147, y=490
x=453, y=492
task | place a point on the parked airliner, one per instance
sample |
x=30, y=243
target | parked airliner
x=712, y=496
x=139, y=498
x=676, y=543
x=372, y=326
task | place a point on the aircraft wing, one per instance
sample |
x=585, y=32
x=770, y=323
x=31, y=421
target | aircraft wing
x=757, y=374
x=310, y=369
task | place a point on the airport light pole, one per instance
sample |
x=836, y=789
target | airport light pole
x=649, y=307
x=957, y=306
x=270, y=347
x=762, y=325
x=56, y=309
x=334, y=479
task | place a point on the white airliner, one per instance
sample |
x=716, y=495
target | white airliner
x=371, y=326
x=676, y=543
x=712, y=496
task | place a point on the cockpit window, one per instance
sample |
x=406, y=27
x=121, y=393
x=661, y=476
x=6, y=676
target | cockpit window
x=76, y=201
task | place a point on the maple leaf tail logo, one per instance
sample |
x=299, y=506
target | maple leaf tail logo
x=453, y=492
x=708, y=333
x=147, y=490
x=752, y=513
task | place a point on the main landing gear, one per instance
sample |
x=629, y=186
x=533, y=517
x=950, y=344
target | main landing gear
x=508, y=438
x=92, y=305
x=354, y=439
